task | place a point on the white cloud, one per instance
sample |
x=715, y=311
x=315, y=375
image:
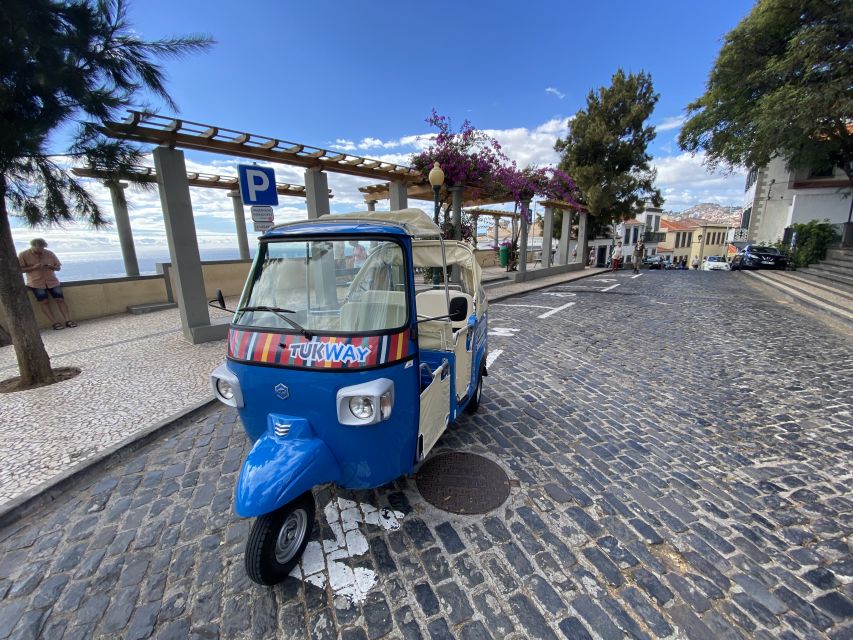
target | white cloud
x=555, y=92
x=684, y=181
x=673, y=122
x=681, y=177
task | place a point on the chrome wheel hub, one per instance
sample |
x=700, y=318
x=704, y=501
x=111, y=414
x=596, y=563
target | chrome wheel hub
x=290, y=536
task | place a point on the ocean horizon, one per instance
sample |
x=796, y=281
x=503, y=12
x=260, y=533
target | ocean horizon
x=93, y=265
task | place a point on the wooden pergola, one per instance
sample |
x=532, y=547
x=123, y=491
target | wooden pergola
x=172, y=132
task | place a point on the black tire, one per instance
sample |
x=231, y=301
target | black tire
x=472, y=406
x=266, y=562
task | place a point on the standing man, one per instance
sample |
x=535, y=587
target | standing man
x=638, y=255
x=40, y=267
x=616, y=257
x=592, y=257
x=695, y=262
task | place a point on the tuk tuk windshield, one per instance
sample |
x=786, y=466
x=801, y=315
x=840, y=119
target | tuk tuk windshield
x=310, y=283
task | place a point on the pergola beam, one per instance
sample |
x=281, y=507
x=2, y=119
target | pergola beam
x=208, y=180
x=165, y=131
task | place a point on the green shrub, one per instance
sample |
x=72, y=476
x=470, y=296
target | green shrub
x=813, y=239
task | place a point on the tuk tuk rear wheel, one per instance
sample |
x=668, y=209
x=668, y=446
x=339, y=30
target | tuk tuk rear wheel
x=478, y=391
x=278, y=539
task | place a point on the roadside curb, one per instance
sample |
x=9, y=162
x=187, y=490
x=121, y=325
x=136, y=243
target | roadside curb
x=537, y=287
x=47, y=492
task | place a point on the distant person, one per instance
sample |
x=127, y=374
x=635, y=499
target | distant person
x=40, y=267
x=616, y=257
x=575, y=254
x=592, y=257
x=359, y=254
x=637, y=257
x=695, y=262
x=682, y=264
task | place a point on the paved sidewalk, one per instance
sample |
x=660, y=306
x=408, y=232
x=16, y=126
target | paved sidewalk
x=137, y=371
x=708, y=498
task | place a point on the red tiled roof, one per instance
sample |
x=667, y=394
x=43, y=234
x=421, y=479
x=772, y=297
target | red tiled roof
x=679, y=225
x=664, y=249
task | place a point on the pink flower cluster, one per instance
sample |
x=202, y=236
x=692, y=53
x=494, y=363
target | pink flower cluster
x=474, y=159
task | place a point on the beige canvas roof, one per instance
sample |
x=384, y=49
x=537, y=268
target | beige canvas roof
x=415, y=221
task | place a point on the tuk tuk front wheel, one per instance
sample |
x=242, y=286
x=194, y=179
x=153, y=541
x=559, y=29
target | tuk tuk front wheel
x=278, y=539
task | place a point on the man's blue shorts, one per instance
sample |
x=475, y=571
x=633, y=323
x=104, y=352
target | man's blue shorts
x=41, y=294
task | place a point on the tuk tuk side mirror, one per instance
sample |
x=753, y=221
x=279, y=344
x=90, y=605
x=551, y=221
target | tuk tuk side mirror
x=458, y=310
x=218, y=302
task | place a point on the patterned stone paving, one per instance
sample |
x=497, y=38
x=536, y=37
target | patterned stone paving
x=679, y=450
x=136, y=372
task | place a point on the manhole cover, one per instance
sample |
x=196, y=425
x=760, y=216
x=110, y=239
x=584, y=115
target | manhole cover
x=462, y=483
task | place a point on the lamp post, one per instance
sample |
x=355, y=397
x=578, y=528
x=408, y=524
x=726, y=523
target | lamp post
x=436, y=179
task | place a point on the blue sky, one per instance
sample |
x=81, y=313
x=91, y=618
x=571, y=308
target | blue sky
x=363, y=76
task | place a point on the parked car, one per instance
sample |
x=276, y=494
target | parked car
x=756, y=257
x=715, y=263
x=654, y=262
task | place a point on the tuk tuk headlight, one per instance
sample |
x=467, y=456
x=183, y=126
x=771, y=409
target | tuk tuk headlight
x=365, y=404
x=361, y=407
x=224, y=389
x=226, y=386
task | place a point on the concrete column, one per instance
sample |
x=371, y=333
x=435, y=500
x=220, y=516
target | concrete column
x=125, y=234
x=583, y=247
x=371, y=205
x=240, y=222
x=399, y=196
x=547, y=234
x=317, y=193
x=497, y=237
x=522, y=239
x=456, y=218
x=563, y=250
x=183, y=244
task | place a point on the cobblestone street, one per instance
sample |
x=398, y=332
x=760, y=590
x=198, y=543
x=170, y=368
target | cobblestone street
x=679, y=452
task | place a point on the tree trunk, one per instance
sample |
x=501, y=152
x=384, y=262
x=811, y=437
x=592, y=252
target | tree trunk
x=33, y=361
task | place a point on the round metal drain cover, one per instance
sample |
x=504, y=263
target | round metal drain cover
x=462, y=483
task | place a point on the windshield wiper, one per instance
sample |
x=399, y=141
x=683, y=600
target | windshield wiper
x=280, y=313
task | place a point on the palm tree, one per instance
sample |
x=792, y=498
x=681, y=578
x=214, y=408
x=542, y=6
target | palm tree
x=66, y=66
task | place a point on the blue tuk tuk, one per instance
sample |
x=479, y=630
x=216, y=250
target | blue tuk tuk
x=357, y=340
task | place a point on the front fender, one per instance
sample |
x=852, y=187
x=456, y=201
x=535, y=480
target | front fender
x=277, y=470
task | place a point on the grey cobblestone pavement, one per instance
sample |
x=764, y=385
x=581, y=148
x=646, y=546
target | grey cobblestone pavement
x=679, y=450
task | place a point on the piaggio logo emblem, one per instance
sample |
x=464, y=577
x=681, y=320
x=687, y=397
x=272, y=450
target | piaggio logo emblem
x=282, y=391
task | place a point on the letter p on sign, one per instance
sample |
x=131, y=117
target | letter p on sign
x=257, y=185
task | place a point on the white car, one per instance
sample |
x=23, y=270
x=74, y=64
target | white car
x=715, y=263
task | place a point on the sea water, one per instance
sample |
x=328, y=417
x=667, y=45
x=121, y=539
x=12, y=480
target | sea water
x=95, y=265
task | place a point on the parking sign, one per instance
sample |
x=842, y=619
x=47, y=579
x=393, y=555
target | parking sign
x=257, y=185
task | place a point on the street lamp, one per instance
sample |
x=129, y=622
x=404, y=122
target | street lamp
x=436, y=179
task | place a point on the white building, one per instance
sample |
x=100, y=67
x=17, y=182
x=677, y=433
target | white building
x=777, y=197
x=645, y=226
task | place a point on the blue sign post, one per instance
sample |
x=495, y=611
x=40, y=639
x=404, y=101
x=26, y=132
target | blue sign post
x=257, y=185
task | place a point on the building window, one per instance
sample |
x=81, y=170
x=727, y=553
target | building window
x=689, y=239
x=821, y=173
x=636, y=232
x=751, y=177
x=744, y=219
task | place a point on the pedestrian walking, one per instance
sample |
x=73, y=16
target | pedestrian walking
x=695, y=262
x=639, y=253
x=40, y=267
x=616, y=257
x=682, y=264
x=592, y=257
